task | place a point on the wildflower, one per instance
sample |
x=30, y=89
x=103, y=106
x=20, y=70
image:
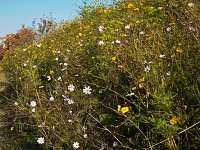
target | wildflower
x=124, y=110
x=59, y=79
x=134, y=88
x=113, y=58
x=24, y=49
x=184, y=107
x=141, y=80
x=33, y=103
x=141, y=85
x=104, y=11
x=130, y=94
x=25, y=64
x=169, y=29
x=191, y=4
x=76, y=145
x=40, y=140
x=39, y=45
x=162, y=56
x=85, y=136
x=115, y=144
x=34, y=66
x=131, y=6
x=192, y=28
x=178, y=50
x=70, y=101
x=160, y=8
x=87, y=90
x=42, y=124
x=56, y=59
x=80, y=34
x=101, y=42
x=127, y=27
x=142, y=32
x=168, y=73
x=120, y=66
x=33, y=110
x=48, y=78
x=12, y=128
x=147, y=69
x=173, y=121
x=70, y=120
x=71, y=87
x=119, y=108
x=51, y=72
x=101, y=28
x=136, y=9
x=16, y=103
x=65, y=64
x=51, y=98
x=118, y=41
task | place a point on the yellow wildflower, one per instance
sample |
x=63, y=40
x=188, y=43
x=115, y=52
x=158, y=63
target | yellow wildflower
x=124, y=110
x=12, y=128
x=80, y=34
x=119, y=108
x=138, y=21
x=141, y=85
x=51, y=72
x=184, y=107
x=136, y=9
x=141, y=80
x=120, y=66
x=113, y=58
x=173, y=121
x=105, y=11
x=131, y=5
x=178, y=50
x=160, y=8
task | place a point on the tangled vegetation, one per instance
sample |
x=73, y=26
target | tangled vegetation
x=121, y=76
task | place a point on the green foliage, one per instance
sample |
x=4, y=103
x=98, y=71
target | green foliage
x=124, y=76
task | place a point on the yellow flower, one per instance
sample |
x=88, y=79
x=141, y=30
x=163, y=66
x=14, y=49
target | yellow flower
x=119, y=108
x=125, y=109
x=136, y=9
x=104, y=11
x=141, y=85
x=80, y=34
x=141, y=80
x=178, y=50
x=160, y=8
x=51, y=72
x=130, y=6
x=113, y=58
x=120, y=66
x=173, y=121
x=138, y=21
x=12, y=128
x=184, y=107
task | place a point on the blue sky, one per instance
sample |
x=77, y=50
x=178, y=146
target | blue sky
x=15, y=13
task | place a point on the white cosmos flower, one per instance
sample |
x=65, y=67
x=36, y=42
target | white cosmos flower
x=51, y=98
x=33, y=103
x=115, y=144
x=71, y=87
x=87, y=90
x=76, y=145
x=101, y=42
x=40, y=140
x=101, y=28
x=118, y=41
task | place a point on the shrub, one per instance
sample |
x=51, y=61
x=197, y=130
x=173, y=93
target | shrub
x=123, y=76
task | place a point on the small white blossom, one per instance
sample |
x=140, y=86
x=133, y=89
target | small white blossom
x=118, y=41
x=65, y=64
x=34, y=66
x=25, y=64
x=101, y=28
x=51, y=98
x=192, y=28
x=71, y=87
x=33, y=110
x=48, y=78
x=40, y=140
x=70, y=101
x=130, y=94
x=39, y=45
x=42, y=124
x=115, y=144
x=134, y=88
x=168, y=73
x=59, y=79
x=191, y=4
x=127, y=27
x=85, y=136
x=24, y=49
x=40, y=87
x=162, y=56
x=169, y=29
x=87, y=90
x=76, y=145
x=33, y=104
x=16, y=103
x=101, y=42
x=142, y=32
x=147, y=69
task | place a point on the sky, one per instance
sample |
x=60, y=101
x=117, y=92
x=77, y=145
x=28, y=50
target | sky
x=15, y=13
